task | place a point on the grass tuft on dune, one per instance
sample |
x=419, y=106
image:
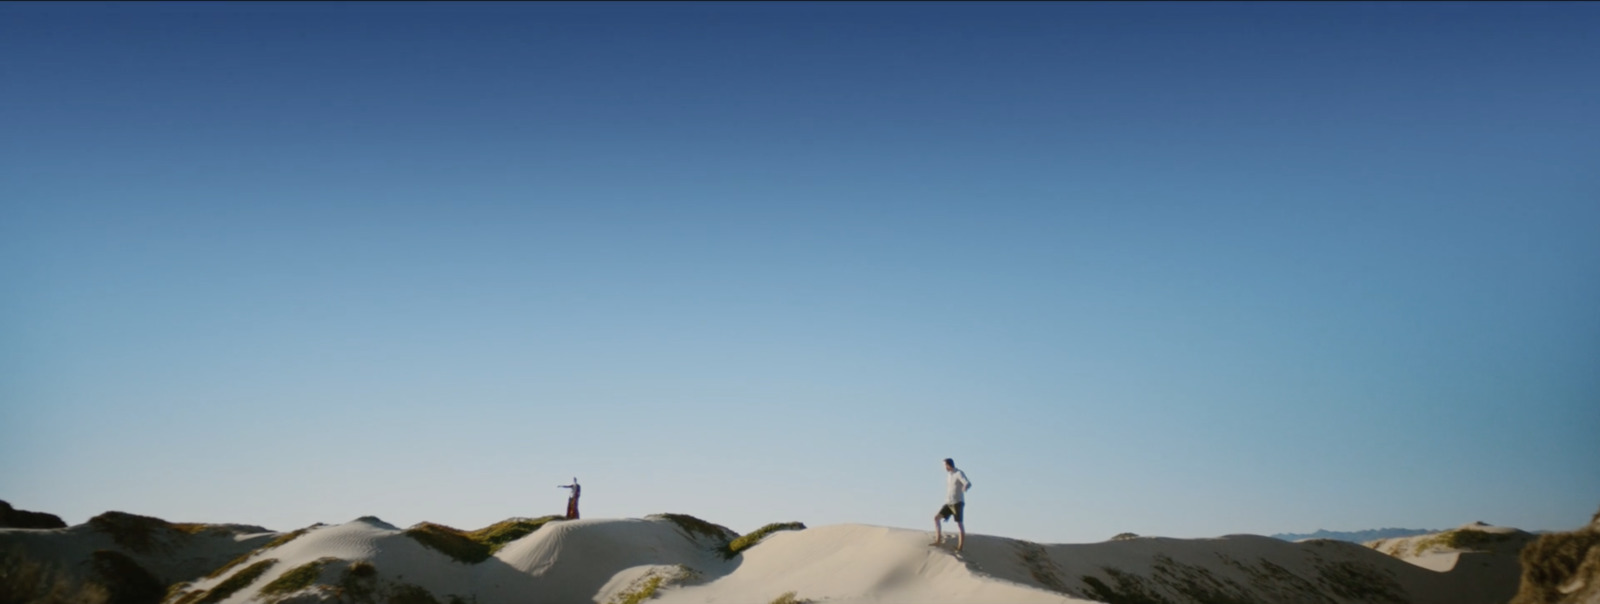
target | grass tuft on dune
x=747, y=541
x=359, y=581
x=1462, y=539
x=450, y=541
x=135, y=532
x=497, y=535
x=406, y=593
x=1562, y=567
x=476, y=546
x=144, y=533
x=279, y=540
x=238, y=581
x=287, y=537
x=789, y=597
x=694, y=527
x=297, y=578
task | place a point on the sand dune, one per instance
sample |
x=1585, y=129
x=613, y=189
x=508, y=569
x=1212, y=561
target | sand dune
x=126, y=554
x=1441, y=551
x=1562, y=567
x=859, y=563
x=853, y=563
x=677, y=560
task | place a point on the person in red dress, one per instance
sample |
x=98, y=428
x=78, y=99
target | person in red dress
x=572, y=501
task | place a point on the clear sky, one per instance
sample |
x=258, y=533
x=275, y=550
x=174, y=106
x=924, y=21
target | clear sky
x=1176, y=269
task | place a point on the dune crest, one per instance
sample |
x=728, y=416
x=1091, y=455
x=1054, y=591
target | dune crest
x=678, y=559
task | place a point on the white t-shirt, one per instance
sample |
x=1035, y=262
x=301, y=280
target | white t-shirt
x=956, y=484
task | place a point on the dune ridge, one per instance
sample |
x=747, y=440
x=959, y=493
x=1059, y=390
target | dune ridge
x=675, y=558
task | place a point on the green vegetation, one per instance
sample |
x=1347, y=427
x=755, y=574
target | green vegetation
x=190, y=597
x=645, y=587
x=1464, y=539
x=1275, y=583
x=1361, y=583
x=1554, y=560
x=361, y=570
x=1199, y=584
x=746, y=542
x=1471, y=539
x=1190, y=583
x=449, y=541
x=724, y=540
x=359, y=581
x=135, y=532
x=476, y=546
x=1393, y=547
x=222, y=570
x=143, y=533
x=124, y=580
x=693, y=527
x=195, y=528
x=640, y=591
x=1041, y=567
x=24, y=580
x=1124, y=537
x=287, y=537
x=176, y=590
x=238, y=581
x=684, y=575
x=279, y=540
x=1171, y=582
x=788, y=598
x=1129, y=589
x=406, y=593
x=298, y=578
x=497, y=535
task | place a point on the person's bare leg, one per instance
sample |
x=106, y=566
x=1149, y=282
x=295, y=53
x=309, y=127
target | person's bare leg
x=938, y=531
x=961, y=539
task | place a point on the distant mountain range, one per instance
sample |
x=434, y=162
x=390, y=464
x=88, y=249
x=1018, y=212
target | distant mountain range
x=1355, y=536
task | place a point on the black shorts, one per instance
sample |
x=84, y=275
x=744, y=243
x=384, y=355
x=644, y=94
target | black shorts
x=953, y=509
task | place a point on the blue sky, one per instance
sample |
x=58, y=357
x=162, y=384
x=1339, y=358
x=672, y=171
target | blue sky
x=1176, y=269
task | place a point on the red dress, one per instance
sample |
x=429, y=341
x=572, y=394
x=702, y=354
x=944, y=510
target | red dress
x=572, y=503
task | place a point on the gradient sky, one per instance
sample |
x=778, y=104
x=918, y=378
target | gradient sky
x=1176, y=269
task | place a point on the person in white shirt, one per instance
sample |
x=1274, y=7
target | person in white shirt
x=956, y=485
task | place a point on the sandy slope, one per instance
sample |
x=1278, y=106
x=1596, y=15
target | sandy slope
x=854, y=563
x=593, y=560
x=1477, y=556
x=605, y=560
x=608, y=560
x=575, y=561
x=859, y=563
x=1437, y=551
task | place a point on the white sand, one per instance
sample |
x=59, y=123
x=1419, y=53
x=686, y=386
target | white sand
x=1487, y=567
x=1426, y=551
x=859, y=563
x=601, y=560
